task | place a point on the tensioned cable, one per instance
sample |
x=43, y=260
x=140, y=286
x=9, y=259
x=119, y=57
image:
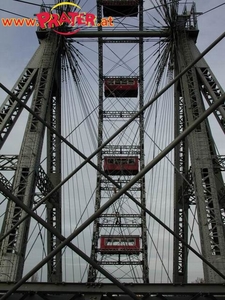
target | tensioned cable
x=168, y=198
x=30, y=236
x=211, y=9
x=48, y=7
x=10, y=12
x=43, y=255
x=31, y=3
x=160, y=122
x=163, y=130
x=194, y=215
x=159, y=175
x=120, y=59
x=70, y=89
x=86, y=110
x=192, y=229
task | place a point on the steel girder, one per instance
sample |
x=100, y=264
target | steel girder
x=121, y=34
x=201, y=151
x=10, y=109
x=209, y=85
x=92, y=272
x=54, y=159
x=145, y=265
x=148, y=167
x=103, y=289
x=180, y=198
x=104, y=116
x=12, y=252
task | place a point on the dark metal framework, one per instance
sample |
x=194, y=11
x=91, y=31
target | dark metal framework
x=206, y=184
x=105, y=291
x=97, y=214
x=41, y=77
x=118, y=221
x=202, y=185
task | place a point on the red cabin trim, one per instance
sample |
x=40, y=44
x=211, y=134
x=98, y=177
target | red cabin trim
x=118, y=244
x=121, y=87
x=121, y=165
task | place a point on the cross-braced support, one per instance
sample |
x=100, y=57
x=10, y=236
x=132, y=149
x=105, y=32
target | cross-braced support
x=40, y=77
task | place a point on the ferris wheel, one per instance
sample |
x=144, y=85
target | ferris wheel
x=117, y=158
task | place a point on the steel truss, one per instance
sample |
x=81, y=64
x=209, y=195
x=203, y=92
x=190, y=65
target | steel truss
x=147, y=168
x=116, y=222
x=105, y=291
x=206, y=184
x=42, y=76
x=9, y=163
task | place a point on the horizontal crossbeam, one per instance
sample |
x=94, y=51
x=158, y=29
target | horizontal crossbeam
x=120, y=34
x=105, y=288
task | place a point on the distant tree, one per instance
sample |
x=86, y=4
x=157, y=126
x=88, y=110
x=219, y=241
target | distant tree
x=34, y=277
x=198, y=280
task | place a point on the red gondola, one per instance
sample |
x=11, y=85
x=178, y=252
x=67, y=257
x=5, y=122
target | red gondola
x=121, y=87
x=120, y=8
x=118, y=244
x=123, y=165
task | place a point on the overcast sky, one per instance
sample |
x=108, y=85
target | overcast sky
x=17, y=45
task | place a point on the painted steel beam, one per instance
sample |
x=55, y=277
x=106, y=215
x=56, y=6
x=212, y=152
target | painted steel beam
x=107, y=288
x=88, y=159
x=8, y=162
x=150, y=102
x=54, y=231
x=207, y=183
x=114, y=198
x=5, y=182
x=34, y=296
x=121, y=34
x=13, y=248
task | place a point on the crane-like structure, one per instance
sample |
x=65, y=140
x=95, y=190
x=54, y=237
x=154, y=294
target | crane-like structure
x=119, y=241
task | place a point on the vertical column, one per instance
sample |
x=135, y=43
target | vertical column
x=13, y=248
x=119, y=235
x=180, y=264
x=142, y=153
x=207, y=199
x=53, y=205
x=92, y=272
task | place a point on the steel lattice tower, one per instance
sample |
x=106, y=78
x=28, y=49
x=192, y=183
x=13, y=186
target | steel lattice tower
x=118, y=223
x=204, y=175
x=42, y=78
x=198, y=178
